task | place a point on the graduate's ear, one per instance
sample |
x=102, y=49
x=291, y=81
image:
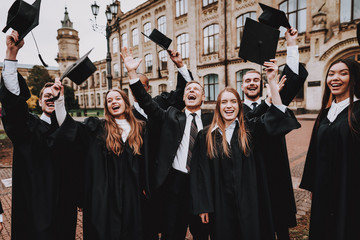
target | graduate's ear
x=40, y=102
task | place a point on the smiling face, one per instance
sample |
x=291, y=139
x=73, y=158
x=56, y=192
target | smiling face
x=251, y=85
x=229, y=107
x=338, y=80
x=47, y=107
x=115, y=104
x=193, y=96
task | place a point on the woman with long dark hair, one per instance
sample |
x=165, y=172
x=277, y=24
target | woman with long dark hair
x=333, y=161
x=227, y=175
x=114, y=171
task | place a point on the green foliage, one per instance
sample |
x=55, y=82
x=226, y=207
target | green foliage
x=37, y=79
x=70, y=101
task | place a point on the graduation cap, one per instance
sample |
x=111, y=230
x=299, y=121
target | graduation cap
x=23, y=17
x=358, y=33
x=259, y=42
x=78, y=72
x=273, y=17
x=160, y=39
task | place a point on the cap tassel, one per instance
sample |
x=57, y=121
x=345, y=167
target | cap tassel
x=41, y=59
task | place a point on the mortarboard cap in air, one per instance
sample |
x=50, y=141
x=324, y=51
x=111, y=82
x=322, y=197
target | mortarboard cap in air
x=79, y=71
x=23, y=17
x=273, y=17
x=160, y=39
x=259, y=42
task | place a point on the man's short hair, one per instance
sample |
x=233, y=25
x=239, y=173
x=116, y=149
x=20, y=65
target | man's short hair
x=193, y=81
x=46, y=85
x=253, y=71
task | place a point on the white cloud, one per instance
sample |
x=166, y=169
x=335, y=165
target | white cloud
x=51, y=15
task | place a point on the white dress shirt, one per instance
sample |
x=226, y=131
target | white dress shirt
x=229, y=131
x=11, y=82
x=125, y=126
x=337, y=108
x=1, y=218
x=180, y=159
x=249, y=102
x=292, y=58
x=183, y=71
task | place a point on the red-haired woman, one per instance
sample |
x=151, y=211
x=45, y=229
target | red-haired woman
x=115, y=171
x=226, y=179
x=332, y=165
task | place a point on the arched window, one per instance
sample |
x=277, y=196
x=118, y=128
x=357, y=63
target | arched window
x=162, y=24
x=148, y=63
x=116, y=70
x=97, y=79
x=135, y=37
x=183, y=45
x=115, y=45
x=211, y=39
x=239, y=81
x=91, y=81
x=349, y=10
x=240, y=23
x=125, y=72
x=126, y=91
x=98, y=102
x=147, y=30
x=208, y=2
x=124, y=40
x=211, y=87
x=92, y=99
x=354, y=56
x=162, y=88
x=296, y=13
x=163, y=60
x=103, y=78
x=181, y=7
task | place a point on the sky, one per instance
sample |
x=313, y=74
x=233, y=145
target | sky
x=51, y=15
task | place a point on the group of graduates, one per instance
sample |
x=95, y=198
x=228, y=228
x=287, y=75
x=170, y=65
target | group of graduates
x=162, y=165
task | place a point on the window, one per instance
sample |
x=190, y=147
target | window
x=183, y=45
x=92, y=99
x=124, y=40
x=97, y=79
x=353, y=56
x=147, y=30
x=162, y=24
x=126, y=91
x=211, y=87
x=103, y=78
x=162, y=88
x=148, y=63
x=163, y=60
x=150, y=91
x=208, y=2
x=115, y=45
x=98, y=99
x=86, y=100
x=91, y=81
x=181, y=7
x=135, y=37
x=296, y=13
x=239, y=81
x=349, y=10
x=211, y=39
x=125, y=72
x=116, y=70
x=240, y=23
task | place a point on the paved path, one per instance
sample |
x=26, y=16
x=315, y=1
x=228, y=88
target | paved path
x=297, y=142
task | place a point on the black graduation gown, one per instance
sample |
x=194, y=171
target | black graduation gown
x=231, y=188
x=44, y=196
x=278, y=174
x=113, y=187
x=331, y=173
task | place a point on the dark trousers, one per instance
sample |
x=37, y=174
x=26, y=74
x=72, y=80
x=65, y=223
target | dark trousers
x=177, y=209
x=282, y=234
x=152, y=213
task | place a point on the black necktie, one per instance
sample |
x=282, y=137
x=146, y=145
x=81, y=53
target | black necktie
x=193, y=134
x=254, y=104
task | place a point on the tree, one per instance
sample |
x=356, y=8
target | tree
x=37, y=79
x=32, y=102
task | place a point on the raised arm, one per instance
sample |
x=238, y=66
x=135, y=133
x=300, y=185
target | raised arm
x=144, y=99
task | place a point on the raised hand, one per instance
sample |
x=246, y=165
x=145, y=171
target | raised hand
x=280, y=85
x=204, y=217
x=12, y=49
x=57, y=87
x=290, y=35
x=271, y=73
x=271, y=70
x=131, y=64
x=175, y=56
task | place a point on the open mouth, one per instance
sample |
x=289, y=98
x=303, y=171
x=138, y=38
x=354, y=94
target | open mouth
x=229, y=111
x=252, y=88
x=50, y=104
x=191, y=97
x=116, y=107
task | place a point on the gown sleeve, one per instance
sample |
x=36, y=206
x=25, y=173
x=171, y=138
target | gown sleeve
x=200, y=177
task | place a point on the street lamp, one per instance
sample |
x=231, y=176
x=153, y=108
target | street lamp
x=110, y=13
